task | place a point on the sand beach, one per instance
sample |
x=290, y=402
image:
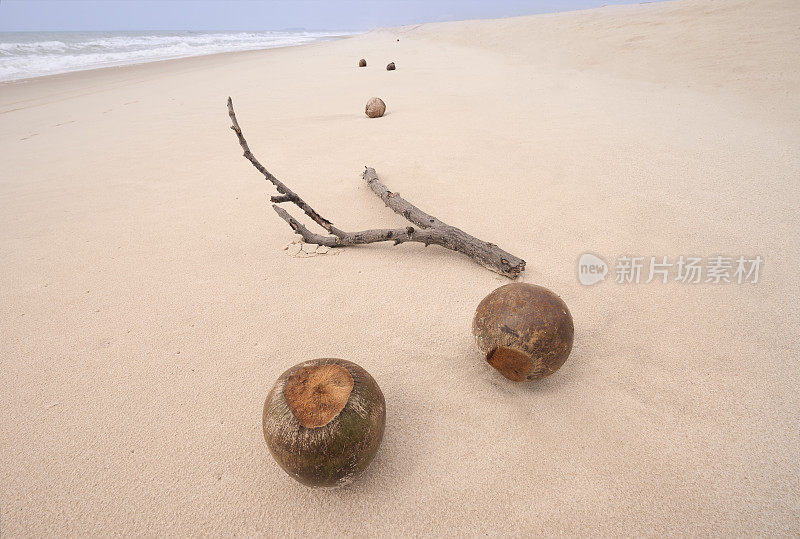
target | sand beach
x=148, y=306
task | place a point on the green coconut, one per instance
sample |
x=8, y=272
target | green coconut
x=323, y=421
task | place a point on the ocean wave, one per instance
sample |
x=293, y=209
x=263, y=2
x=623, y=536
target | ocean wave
x=26, y=55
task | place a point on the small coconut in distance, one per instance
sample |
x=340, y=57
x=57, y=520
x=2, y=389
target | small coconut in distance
x=524, y=331
x=375, y=107
x=323, y=421
x=362, y=63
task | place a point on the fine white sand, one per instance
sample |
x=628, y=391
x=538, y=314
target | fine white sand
x=147, y=306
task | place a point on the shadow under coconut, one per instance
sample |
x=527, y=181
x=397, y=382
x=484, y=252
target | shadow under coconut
x=403, y=446
x=494, y=381
x=340, y=117
x=395, y=462
x=329, y=117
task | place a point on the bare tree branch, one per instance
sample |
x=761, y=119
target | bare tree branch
x=397, y=203
x=429, y=230
x=487, y=254
x=288, y=194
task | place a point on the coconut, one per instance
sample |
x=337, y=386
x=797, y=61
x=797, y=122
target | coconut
x=323, y=421
x=524, y=331
x=391, y=67
x=375, y=107
x=362, y=63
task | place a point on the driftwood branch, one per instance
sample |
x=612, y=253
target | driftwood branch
x=428, y=230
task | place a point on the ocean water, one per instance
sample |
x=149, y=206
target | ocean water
x=32, y=54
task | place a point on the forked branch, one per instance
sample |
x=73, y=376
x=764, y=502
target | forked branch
x=428, y=230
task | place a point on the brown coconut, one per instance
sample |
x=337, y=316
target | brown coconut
x=390, y=67
x=524, y=331
x=375, y=107
x=323, y=421
x=362, y=63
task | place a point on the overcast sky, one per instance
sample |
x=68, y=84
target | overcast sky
x=53, y=15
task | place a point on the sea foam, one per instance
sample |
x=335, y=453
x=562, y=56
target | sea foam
x=32, y=54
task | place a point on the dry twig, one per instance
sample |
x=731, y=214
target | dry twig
x=428, y=230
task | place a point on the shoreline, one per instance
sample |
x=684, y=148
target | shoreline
x=121, y=65
x=393, y=29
